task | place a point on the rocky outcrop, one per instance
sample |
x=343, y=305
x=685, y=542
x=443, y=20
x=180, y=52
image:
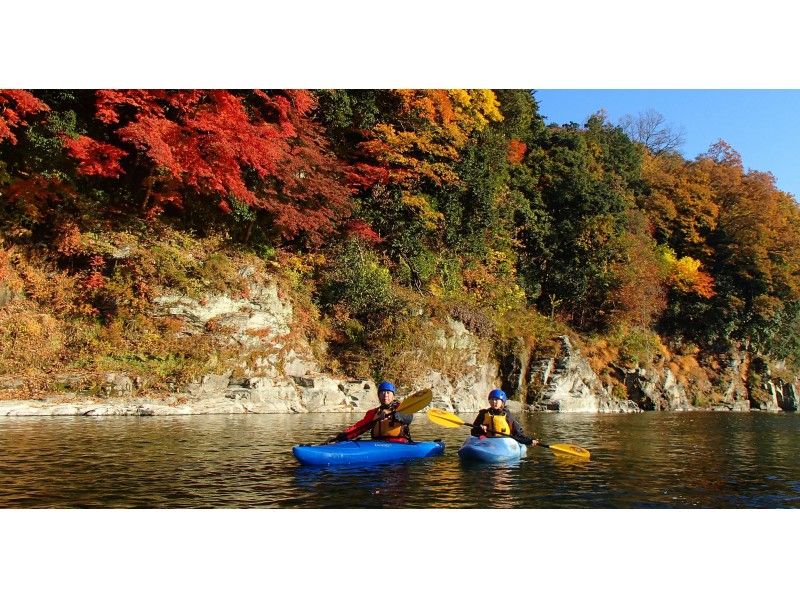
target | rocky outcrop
x=117, y=385
x=284, y=378
x=515, y=368
x=734, y=380
x=766, y=399
x=750, y=384
x=281, y=372
x=652, y=390
x=788, y=396
x=261, y=318
x=735, y=395
x=468, y=392
x=277, y=372
x=762, y=392
x=571, y=385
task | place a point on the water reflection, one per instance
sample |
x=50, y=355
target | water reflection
x=496, y=482
x=570, y=461
x=718, y=460
x=375, y=486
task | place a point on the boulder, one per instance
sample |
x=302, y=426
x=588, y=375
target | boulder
x=116, y=385
x=11, y=383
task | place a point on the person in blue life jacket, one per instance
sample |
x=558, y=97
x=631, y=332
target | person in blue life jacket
x=383, y=421
x=497, y=421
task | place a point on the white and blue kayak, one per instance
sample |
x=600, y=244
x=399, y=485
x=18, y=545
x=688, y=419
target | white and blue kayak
x=491, y=450
x=365, y=452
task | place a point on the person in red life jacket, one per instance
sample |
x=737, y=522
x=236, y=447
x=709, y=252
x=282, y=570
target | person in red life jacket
x=383, y=422
x=498, y=421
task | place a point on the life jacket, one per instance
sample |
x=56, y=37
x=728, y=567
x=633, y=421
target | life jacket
x=496, y=423
x=388, y=428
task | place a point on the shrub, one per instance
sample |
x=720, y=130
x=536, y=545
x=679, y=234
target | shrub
x=219, y=273
x=356, y=280
x=418, y=269
x=639, y=348
x=29, y=340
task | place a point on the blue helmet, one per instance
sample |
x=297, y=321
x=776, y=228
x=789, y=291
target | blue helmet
x=387, y=386
x=498, y=394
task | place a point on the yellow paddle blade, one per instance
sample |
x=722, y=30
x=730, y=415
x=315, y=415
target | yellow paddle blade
x=570, y=449
x=416, y=401
x=443, y=418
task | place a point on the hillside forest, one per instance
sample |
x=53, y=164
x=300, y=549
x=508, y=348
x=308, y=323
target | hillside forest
x=376, y=208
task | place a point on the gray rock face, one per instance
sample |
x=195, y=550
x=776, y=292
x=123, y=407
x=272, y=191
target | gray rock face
x=11, y=383
x=515, y=368
x=467, y=393
x=263, y=314
x=675, y=393
x=765, y=401
x=763, y=394
x=653, y=392
x=788, y=399
x=736, y=390
x=117, y=385
x=278, y=373
x=574, y=387
x=210, y=385
x=255, y=395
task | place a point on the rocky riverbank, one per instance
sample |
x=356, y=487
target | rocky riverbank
x=281, y=375
x=566, y=384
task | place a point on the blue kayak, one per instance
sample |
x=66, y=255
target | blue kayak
x=491, y=450
x=365, y=452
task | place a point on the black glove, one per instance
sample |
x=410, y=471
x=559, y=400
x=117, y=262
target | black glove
x=340, y=437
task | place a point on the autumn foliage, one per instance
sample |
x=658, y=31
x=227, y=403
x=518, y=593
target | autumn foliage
x=461, y=201
x=15, y=106
x=257, y=149
x=95, y=158
x=687, y=277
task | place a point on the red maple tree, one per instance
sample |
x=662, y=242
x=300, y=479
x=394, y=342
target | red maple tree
x=261, y=149
x=15, y=106
x=95, y=158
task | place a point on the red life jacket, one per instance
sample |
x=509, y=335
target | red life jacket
x=382, y=430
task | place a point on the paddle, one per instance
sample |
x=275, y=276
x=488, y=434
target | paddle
x=449, y=420
x=411, y=404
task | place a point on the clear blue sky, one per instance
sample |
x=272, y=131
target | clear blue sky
x=763, y=126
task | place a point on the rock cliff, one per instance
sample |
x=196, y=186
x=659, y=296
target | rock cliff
x=568, y=383
x=277, y=372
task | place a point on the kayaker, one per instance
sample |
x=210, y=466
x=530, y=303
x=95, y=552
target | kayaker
x=383, y=422
x=498, y=419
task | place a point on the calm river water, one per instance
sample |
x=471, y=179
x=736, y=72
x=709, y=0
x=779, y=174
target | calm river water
x=684, y=460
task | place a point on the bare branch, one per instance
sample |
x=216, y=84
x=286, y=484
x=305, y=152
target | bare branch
x=651, y=129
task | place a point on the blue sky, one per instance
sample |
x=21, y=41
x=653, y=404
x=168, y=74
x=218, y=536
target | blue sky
x=762, y=125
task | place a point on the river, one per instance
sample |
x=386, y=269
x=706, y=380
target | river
x=650, y=460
